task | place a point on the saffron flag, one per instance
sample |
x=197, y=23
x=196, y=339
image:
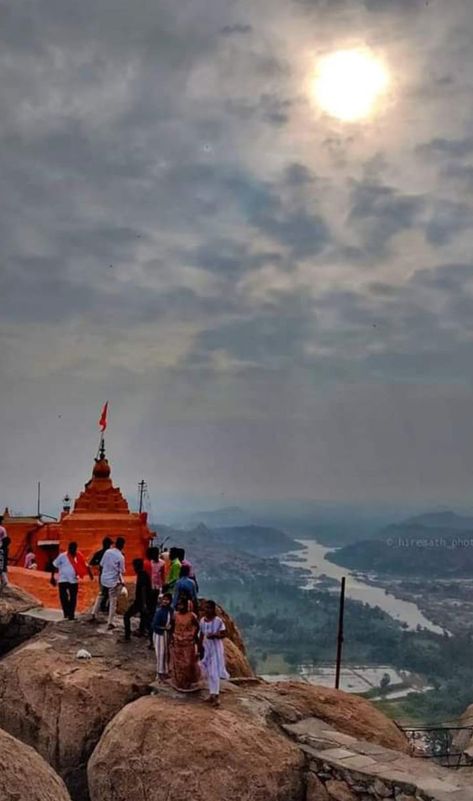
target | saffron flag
x=103, y=418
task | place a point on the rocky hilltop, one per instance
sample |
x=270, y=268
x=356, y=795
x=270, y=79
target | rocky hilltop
x=102, y=726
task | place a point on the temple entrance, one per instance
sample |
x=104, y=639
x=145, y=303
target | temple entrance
x=46, y=552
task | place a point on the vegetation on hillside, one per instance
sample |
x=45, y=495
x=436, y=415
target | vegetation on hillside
x=285, y=626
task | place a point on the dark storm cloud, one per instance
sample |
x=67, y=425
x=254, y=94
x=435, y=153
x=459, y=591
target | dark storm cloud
x=383, y=290
x=448, y=277
x=447, y=220
x=382, y=212
x=274, y=110
x=418, y=322
x=298, y=175
x=36, y=290
x=269, y=108
x=235, y=30
x=452, y=157
x=460, y=175
x=371, y=5
x=422, y=324
x=454, y=148
x=397, y=5
x=228, y=259
x=273, y=338
x=261, y=204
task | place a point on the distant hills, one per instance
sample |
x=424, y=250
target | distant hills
x=435, y=544
x=445, y=519
x=233, y=550
x=259, y=540
x=331, y=524
x=228, y=516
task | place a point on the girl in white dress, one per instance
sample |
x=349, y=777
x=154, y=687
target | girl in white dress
x=212, y=633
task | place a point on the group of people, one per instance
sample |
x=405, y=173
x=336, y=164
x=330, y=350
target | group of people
x=188, y=646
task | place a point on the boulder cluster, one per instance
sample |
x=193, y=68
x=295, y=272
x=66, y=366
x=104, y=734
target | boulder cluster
x=100, y=730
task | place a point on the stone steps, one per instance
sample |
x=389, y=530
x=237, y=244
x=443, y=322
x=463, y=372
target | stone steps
x=346, y=769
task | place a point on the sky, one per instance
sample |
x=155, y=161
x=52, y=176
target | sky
x=277, y=304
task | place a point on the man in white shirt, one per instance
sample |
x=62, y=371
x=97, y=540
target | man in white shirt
x=113, y=572
x=70, y=565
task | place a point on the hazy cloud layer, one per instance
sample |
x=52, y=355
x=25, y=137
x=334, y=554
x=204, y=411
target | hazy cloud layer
x=269, y=298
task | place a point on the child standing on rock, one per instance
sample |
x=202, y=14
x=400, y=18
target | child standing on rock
x=162, y=626
x=212, y=634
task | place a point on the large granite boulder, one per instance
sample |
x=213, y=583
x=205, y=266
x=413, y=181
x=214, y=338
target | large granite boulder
x=15, y=626
x=159, y=748
x=236, y=661
x=25, y=776
x=288, y=702
x=14, y=600
x=59, y=704
x=181, y=748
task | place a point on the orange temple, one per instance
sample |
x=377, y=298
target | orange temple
x=99, y=511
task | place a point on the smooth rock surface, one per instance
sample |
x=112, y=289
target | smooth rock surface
x=289, y=702
x=192, y=752
x=25, y=776
x=13, y=600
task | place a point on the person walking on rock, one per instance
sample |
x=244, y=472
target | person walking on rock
x=212, y=633
x=71, y=566
x=113, y=572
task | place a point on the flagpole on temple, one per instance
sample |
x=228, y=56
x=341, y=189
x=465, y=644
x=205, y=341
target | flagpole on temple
x=102, y=426
x=101, y=448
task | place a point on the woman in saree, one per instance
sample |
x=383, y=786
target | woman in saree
x=185, y=672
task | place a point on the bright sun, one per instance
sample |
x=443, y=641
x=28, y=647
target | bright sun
x=349, y=82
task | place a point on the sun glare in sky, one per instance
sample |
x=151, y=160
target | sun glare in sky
x=348, y=84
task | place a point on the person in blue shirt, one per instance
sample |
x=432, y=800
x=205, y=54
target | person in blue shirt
x=185, y=586
x=162, y=626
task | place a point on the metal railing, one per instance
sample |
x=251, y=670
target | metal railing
x=444, y=744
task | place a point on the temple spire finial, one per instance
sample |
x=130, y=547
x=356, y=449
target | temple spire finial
x=102, y=448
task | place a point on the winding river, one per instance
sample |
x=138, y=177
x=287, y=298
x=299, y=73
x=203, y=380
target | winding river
x=313, y=558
